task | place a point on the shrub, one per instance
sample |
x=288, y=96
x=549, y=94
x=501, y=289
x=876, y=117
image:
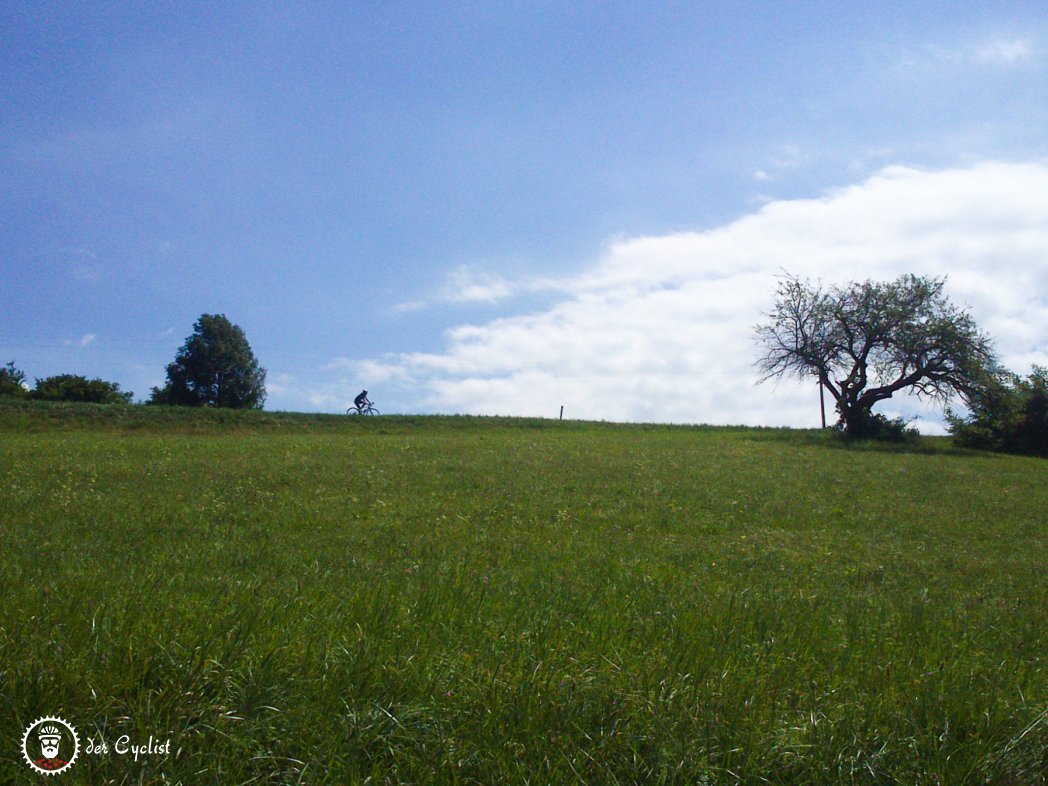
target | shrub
x=876, y=426
x=71, y=387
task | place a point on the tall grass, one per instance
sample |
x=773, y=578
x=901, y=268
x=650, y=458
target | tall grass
x=440, y=600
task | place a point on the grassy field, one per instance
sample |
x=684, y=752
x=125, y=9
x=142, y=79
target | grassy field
x=307, y=599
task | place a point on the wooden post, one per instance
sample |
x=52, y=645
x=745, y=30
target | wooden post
x=822, y=402
x=562, y=412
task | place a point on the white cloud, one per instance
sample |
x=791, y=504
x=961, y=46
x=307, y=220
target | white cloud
x=784, y=159
x=660, y=329
x=333, y=386
x=470, y=286
x=83, y=341
x=466, y=284
x=985, y=52
x=289, y=391
x=1003, y=51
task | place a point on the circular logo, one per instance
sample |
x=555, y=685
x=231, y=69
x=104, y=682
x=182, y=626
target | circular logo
x=50, y=745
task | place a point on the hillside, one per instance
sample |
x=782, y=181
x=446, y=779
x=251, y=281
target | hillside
x=321, y=599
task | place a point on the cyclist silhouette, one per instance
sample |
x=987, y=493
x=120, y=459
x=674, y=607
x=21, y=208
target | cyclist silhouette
x=362, y=400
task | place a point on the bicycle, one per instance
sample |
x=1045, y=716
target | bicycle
x=367, y=409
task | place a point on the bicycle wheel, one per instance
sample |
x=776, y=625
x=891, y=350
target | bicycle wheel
x=371, y=411
x=352, y=411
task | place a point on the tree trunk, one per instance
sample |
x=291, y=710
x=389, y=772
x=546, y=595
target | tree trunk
x=854, y=418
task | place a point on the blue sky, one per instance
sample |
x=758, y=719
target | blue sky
x=504, y=207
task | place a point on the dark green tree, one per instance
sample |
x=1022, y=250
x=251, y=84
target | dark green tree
x=1008, y=415
x=866, y=342
x=215, y=367
x=12, y=381
x=72, y=387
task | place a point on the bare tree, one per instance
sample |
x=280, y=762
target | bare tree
x=866, y=342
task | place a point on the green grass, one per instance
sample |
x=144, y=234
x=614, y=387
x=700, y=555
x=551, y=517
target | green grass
x=310, y=599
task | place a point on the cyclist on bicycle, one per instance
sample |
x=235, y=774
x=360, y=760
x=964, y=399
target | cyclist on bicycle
x=362, y=400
